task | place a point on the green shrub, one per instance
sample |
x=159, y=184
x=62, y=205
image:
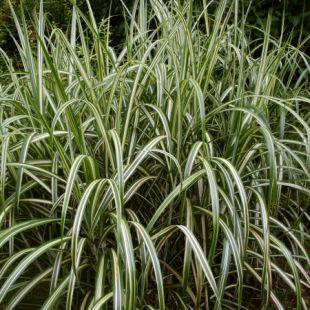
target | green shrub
x=171, y=174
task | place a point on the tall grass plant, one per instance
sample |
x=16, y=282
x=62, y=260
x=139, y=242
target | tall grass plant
x=173, y=173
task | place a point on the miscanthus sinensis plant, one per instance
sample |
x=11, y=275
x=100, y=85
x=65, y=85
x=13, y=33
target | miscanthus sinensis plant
x=169, y=172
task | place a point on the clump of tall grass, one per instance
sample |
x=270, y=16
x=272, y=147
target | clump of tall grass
x=173, y=173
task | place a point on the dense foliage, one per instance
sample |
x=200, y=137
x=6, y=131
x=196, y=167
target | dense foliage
x=170, y=172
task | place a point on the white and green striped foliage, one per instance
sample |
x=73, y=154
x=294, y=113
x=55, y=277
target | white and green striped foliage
x=171, y=173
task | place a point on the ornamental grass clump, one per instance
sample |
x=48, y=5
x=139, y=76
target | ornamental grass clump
x=172, y=172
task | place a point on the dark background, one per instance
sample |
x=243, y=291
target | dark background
x=296, y=14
